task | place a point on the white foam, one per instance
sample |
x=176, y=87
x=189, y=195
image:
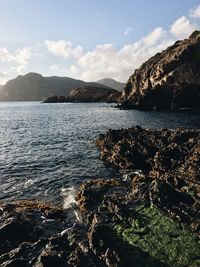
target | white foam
x=69, y=201
x=69, y=195
x=127, y=176
x=29, y=183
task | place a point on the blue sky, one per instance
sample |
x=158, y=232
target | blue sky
x=89, y=39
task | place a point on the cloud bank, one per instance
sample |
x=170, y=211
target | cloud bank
x=62, y=57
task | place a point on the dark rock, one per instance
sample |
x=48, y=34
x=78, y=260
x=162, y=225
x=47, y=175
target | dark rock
x=16, y=263
x=167, y=81
x=170, y=162
x=87, y=94
x=150, y=216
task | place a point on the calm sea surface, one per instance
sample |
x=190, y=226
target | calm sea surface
x=45, y=149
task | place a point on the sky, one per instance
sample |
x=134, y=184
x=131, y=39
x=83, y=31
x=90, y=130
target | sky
x=89, y=39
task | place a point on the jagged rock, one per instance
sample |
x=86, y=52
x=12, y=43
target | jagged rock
x=147, y=217
x=169, y=80
x=170, y=164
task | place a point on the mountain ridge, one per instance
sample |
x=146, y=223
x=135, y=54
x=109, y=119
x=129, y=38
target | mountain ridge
x=35, y=87
x=112, y=83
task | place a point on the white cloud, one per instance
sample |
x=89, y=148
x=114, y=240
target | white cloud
x=20, y=69
x=56, y=69
x=128, y=31
x=154, y=36
x=182, y=27
x=195, y=12
x=106, y=61
x=20, y=56
x=15, y=62
x=102, y=61
x=4, y=76
x=64, y=49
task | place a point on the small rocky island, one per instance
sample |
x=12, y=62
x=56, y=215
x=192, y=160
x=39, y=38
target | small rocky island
x=87, y=94
x=149, y=216
x=168, y=81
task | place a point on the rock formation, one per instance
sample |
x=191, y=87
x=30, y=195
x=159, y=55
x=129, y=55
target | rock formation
x=169, y=80
x=88, y=94
x=148, y=216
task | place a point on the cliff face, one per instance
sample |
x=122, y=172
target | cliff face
x=169, y=80
x=93, y=94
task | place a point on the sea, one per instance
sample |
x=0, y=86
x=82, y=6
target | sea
x=48, y=150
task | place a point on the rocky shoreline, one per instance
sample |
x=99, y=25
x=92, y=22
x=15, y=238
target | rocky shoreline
x=148, y=217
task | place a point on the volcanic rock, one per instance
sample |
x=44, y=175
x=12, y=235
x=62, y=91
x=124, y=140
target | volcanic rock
x=167, y=81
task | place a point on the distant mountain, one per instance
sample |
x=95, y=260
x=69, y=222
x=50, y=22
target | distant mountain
x=112, y=83
x=88, y=93
x=34, y=86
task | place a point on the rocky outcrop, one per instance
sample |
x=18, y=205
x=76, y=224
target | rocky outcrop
x=93, y=94
x=35, y=234
x=148, y=216
x=169, y=164
x=169, y=80
x=87, y=94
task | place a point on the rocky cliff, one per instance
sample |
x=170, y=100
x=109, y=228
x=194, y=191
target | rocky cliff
x=169, y=80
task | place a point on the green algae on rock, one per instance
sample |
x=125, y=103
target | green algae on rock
x=162, y=237
x=140, y=219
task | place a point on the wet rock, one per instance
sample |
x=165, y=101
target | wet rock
x=170, y=162
x=132, y=220
x=16, y=263
x=91, y=193
x=30, y=235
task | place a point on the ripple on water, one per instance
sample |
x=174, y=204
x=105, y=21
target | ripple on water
x=47, y=150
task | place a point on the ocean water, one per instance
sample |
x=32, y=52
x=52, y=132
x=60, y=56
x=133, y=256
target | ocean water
x=46, y=150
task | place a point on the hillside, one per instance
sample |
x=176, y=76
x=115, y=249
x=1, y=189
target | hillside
x=34, y=86
x=169, y=80
x=112, y=83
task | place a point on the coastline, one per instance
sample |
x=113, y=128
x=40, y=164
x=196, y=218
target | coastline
x=149, y=216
